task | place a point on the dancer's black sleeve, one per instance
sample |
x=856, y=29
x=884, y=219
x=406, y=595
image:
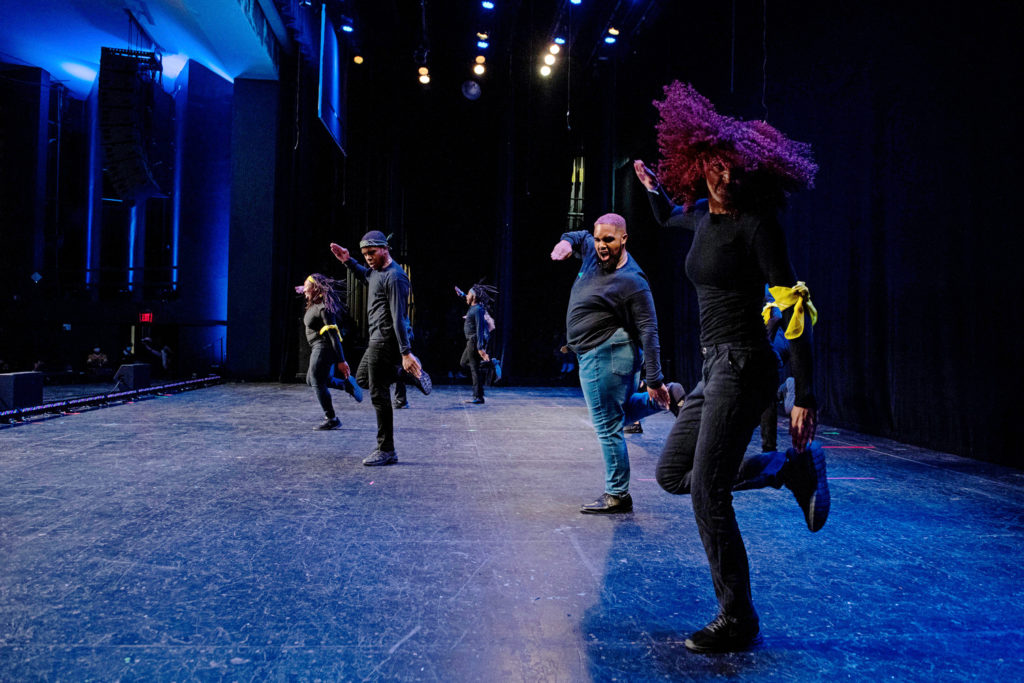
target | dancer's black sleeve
x=645, y=321
x=361, y=271
x=397, y=289
x=769, y=245
x=669, y=215
x=481, y=327
x=330, y=331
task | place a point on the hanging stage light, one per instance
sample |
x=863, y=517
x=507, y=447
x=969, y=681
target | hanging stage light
x=480, y=59
x=545, y=70
x=609, y=39
x=482, y=44
x=358, y=59
x=425, y=79
x=471, y=90
x=560, y=41
x=613, y=31
x=487, y=4
x=479, y=69
x=554, y=49
x=549, y=60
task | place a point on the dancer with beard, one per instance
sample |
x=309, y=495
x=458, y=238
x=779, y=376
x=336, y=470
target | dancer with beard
x=612, y=326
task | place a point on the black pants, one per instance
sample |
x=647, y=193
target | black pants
x=321, y=359
x=471, y=360
x=380, y=368
x=704, y=456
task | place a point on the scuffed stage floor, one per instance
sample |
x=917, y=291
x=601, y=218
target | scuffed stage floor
x=213, y=535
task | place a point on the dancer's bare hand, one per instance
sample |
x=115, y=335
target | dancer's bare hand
x=660, y=396
x=483, y=355
x=802, y=425
x=343, y=370
x=562, y=251
x=340, y=252
x=412, y=365
x=300, y=289
x=646, y=175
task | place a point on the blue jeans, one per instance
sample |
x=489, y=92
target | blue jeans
x=609, y=375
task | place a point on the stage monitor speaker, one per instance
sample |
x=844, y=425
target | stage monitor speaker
x=131, y=377
x=21, y=390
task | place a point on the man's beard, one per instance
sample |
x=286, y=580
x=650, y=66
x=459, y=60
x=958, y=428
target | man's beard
x=610, y=265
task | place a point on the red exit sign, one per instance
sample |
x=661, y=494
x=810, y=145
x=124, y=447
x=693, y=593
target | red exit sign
x=145, y=317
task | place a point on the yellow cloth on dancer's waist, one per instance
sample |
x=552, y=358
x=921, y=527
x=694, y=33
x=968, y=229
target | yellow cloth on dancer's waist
x=330, y=327
x=797, y=296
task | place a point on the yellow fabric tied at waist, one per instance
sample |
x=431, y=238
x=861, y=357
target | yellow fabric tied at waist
x=799, y=297
x=324, y=329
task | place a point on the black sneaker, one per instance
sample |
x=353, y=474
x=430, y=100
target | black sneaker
x=328, y=423
x=805, y=476
x=677, y=393
x=476, y=401
x=398, y=405
x=608, y=504
x=633, y=428
x=422, y=382
x=379, y=457
x=726, y=634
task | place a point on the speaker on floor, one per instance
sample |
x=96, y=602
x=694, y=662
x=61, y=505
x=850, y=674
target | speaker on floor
x=21, y=390
x=132, y=376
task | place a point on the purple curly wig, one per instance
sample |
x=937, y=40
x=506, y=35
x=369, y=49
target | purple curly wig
x=691, y=133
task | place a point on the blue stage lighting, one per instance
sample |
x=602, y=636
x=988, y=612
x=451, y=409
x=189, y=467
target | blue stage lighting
x=347, y=28
x=487, y=4
x=576, y=2
x=482, y=44
x=80, y=71
x=560, y=41
x=609, y=39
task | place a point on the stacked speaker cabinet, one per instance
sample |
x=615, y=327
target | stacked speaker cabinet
x=127, y=95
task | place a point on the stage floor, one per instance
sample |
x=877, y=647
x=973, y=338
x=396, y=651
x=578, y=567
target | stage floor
x=213, y=535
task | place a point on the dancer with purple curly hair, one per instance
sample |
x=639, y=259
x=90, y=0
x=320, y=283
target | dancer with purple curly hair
x=731, y=178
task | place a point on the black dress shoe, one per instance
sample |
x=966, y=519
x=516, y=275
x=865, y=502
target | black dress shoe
x=633, y=428
x=805, y=475
x=329, y=423
x=726, y=634
x=677, y=394
x=422, y=382
x=608, y=504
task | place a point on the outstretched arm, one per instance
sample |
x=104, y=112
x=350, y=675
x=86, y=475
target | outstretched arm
x=666, y=213
x=342, y=254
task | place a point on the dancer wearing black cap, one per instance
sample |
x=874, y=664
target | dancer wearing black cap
x=389, y=356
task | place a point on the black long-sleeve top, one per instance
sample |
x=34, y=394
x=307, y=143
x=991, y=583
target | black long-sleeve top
x=317, y=321
x=729, y=262
x=601, y=302
x=388, y=297
x=475, y=325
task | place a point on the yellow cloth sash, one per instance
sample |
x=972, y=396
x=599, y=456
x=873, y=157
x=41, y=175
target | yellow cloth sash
x=797, y=296
x=325, y=328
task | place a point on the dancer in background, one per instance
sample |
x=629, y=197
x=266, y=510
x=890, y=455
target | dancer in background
x=733, y=177
x=388, y=356
x=327, y=366
x=477, y=328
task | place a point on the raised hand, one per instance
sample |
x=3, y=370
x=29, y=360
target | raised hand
x=562, y=251
x=646, y=175
x=340, y=252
